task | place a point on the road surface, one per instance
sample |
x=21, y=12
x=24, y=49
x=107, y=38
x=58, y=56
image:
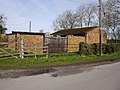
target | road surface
x=104, y=77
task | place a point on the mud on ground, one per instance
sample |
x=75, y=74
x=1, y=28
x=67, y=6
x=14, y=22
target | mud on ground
x=55, y=71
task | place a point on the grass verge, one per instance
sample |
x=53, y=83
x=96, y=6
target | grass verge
x=55, y=59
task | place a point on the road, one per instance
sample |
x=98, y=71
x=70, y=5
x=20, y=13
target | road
x=104, y=77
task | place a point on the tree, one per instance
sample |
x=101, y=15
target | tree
x=2, y=29
x=111, y=19
x=118, y=33
x=2, y=24
x=66, y=20
x=90, y=15
x=115, y=5
x=86, y=15
x=80, y=13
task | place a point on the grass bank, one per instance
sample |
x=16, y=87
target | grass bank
x=54, y=59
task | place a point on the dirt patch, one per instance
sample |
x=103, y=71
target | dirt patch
x=24, y=72
x=55, y=71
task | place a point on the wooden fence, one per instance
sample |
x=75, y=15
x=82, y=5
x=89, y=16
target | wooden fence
x=60, y=44
x=20, y=50
x=56, y=44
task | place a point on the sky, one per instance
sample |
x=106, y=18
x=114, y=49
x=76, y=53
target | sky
x=41, y=13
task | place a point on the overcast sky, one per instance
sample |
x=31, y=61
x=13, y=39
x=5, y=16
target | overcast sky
x=40, y=12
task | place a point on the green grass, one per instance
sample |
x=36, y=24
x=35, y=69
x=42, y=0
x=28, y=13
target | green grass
x=54, y=59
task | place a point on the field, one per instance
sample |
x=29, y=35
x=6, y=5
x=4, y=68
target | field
x=54, y=59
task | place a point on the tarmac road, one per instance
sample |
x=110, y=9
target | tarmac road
x=104, y=77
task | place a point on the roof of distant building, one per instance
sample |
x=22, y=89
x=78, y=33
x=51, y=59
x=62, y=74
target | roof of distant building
x=28, y=33
x=74, y=31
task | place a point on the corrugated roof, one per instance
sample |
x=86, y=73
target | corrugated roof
x=74, y=31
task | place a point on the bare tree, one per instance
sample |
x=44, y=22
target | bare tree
x=66, y=20
x=80, y=16
x=90, y=15
x=111, y=20
x=118, y=33
x=115, y=5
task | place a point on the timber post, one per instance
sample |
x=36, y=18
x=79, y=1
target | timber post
x=22, y=48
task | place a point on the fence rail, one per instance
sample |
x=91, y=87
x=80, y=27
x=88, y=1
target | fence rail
x=19, y=49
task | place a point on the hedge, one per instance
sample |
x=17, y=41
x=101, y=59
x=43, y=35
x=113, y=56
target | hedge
x=83, y=49
x=93, y=49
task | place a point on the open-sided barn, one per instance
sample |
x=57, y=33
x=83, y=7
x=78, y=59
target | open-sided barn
x=75, y=36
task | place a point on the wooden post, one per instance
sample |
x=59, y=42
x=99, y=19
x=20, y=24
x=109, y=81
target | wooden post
x=47, y=52
x=46, y=47
x=86, y=38
x=22, y=49
x=16, y=43
x=100, y=28
x=35, y=51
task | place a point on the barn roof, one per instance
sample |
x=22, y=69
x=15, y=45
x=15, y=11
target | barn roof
x=74, y=31
x=27, y=33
